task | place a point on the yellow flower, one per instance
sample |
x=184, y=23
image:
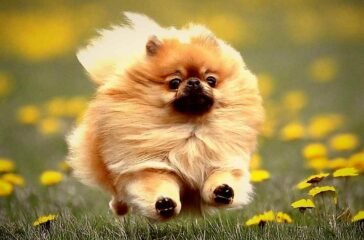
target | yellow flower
x=5, y=188
x=255, y=161
x=259, y=175
x=265, y=83
x=293, y=131
x=318, y=190
x=28, y=114
x=294, y=100
x=302, y=204
x=322, y=125
x=51, y=178
x=49, y=126
x=317, y=178
x=357, y=161
x=14, y=179
x=283, y=218
x=344, y=142
x=261, y=219
x=318, y=164
x=39, y=37
x=358, y=217
x=337, y=163
x=268, y=216
x=75, y=106
x=64, y=166
x=314, y=150
x=56, y=107
x=346, y=172
x=44, y=219
x=6, y=165
x=303, y=184
x=323, y=69
x=5, y=84
x=255, y=220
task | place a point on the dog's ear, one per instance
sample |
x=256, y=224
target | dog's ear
x=117, y=48
x=153, y=45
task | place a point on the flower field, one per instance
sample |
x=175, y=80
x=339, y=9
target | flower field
x=308, y=171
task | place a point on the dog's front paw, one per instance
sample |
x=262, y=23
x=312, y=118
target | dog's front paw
x=165, y=207
x=228, y=189
x=223, y=194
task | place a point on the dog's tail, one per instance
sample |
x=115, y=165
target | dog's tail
x=116, y=48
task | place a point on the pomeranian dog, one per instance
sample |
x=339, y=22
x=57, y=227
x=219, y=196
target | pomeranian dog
x=174, y=121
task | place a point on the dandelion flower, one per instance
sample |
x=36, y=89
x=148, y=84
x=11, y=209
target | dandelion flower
x=318, y=164
x=259, y=175
x=283, y=218
x=6, y=165
x=303, y=184
x=323, y=69
x=28, y=114
x=314, y=150
x=292, y=131
x=49, y=126
x=14, y=179
x=51, y=178
x=337, y=163
x=44, y=220
x=359, y=217
x=344, y=142
x=303, y=204
x=75, y=106
x=318, y=190
x=294, y=101
x=346, y=172
x=322, y=125
x=357, y=161
x=255, y=220
x=37, y=37
x=5, y=188
x=261, y=219
x=312, y=179
x=255, y=161
x=317, y=178
x=56, y=107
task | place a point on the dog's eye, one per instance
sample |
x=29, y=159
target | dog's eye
x=174, y=83
x=211, y=81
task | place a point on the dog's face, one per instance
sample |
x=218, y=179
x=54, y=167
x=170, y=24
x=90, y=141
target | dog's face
x=189, y=77
x=189, y=72
x=174, y=75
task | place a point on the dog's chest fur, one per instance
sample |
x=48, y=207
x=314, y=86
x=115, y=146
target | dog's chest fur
x=189, y=149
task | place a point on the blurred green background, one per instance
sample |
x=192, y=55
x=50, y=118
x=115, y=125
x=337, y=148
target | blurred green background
x=308, y=55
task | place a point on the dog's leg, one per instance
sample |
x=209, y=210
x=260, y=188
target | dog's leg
x=227, y=188
x=153, y=193
x=118, y=207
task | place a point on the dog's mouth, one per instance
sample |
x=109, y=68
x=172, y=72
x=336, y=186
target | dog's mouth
x=194, y=103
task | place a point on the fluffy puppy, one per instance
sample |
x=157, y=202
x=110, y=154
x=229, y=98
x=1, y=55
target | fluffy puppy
x=174, y=121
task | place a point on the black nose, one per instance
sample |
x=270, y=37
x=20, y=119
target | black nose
x=194, y=83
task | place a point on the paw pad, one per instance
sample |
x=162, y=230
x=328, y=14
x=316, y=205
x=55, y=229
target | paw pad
x=165, y=207
x=224, y=194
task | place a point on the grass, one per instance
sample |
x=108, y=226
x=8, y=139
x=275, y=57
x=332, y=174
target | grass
x=83, y=212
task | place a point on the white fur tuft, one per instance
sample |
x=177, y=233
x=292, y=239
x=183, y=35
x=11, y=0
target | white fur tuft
x=115, y=49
